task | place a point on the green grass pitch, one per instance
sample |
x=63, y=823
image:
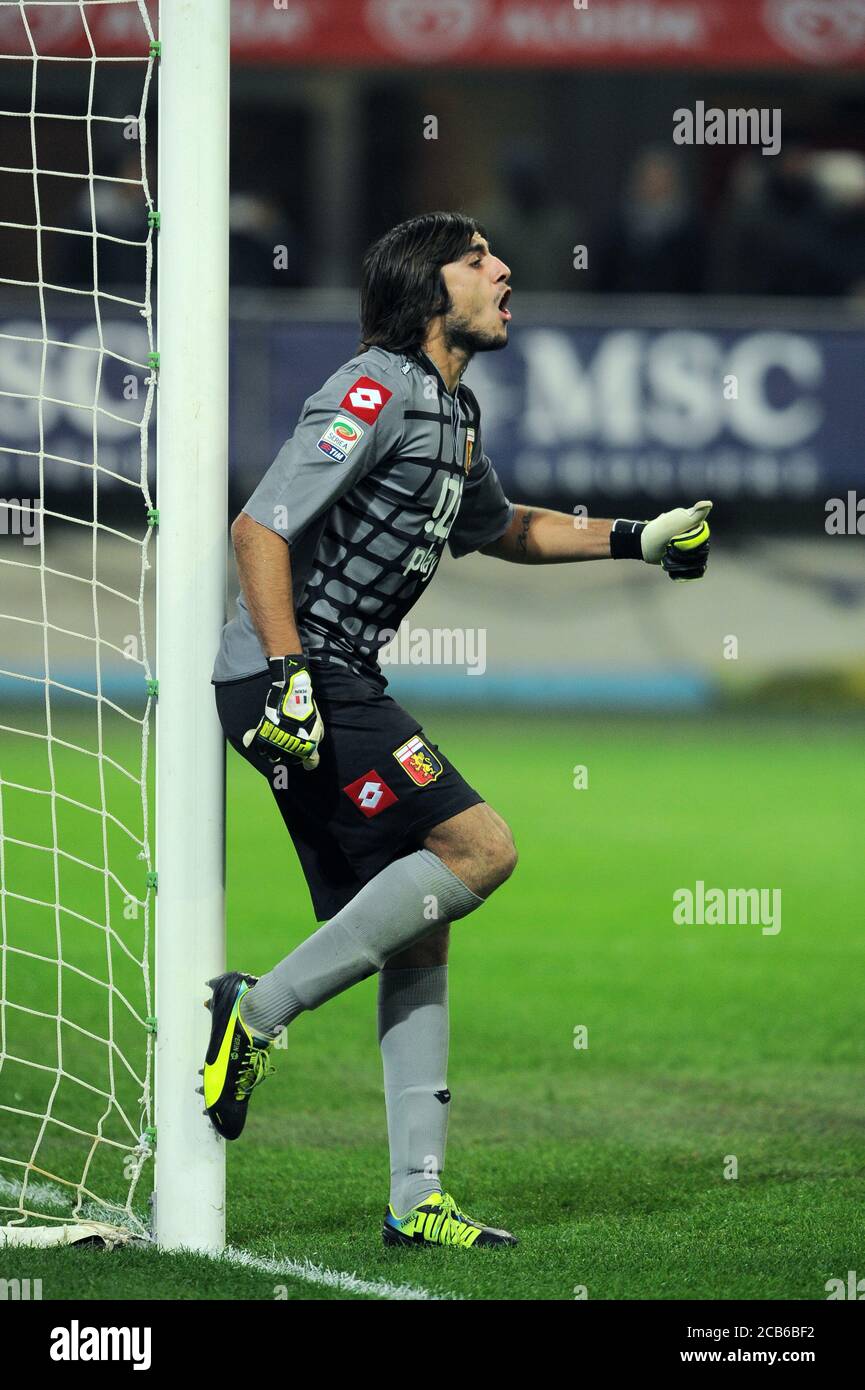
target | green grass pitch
x=704, y=1042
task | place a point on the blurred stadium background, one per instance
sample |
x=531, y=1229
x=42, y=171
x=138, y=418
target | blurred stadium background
x=554, y=127
x=702, y=264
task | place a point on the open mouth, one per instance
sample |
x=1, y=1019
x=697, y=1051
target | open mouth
x=503, y=306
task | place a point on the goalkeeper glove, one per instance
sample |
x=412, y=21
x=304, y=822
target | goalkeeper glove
x=677, y=540
x=291, y=723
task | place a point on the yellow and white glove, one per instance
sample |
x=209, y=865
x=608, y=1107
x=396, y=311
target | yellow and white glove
x=678, y=540
x=291, y=723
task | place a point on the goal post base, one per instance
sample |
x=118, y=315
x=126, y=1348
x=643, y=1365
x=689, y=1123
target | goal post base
x=75, y=1233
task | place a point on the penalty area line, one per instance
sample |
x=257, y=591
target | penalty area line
x=312, y=1273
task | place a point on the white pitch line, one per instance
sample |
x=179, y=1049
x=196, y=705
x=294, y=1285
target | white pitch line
x=333, y=1278
x=48, y=1193
x=305, y=1270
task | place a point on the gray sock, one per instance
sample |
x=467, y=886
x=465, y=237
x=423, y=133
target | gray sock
x=413, y=1033
x=409, y=898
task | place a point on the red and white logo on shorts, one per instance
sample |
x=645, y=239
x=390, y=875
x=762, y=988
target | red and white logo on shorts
x=367, y=398
x=370, y=793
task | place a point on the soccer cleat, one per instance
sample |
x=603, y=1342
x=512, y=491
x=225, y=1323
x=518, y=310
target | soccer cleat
x=438, y=1221
x=236, y=1060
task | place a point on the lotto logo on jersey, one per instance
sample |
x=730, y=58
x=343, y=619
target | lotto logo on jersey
x=370, y=793
x=418, y=761
x=367, y=398
x=340, y=438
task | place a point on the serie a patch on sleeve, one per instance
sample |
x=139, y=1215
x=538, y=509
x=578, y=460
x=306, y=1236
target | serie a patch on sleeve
x=340, y=437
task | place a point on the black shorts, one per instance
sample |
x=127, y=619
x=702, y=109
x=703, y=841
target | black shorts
x=380, y=785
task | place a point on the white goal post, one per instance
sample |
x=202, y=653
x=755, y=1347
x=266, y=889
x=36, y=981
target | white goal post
x=192, y=482
x=84, y=1112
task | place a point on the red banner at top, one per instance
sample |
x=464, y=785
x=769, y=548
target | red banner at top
x=483, y=33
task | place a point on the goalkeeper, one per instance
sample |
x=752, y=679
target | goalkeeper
x=386, y=466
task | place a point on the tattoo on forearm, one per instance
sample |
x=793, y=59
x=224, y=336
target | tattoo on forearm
x=523, y=536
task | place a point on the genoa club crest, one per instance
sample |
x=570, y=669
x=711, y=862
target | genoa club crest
x=418, y=761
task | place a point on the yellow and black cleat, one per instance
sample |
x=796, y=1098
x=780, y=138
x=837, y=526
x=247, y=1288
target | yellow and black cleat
x=236, y=1060
x=438, y=1221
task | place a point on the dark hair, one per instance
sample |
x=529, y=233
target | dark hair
x=402, y=287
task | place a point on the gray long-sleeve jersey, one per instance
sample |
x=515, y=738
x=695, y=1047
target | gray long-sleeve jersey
x=384, y=467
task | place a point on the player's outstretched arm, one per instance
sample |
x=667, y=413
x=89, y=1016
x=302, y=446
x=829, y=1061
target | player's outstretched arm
x=537, y=536
x=678, y=540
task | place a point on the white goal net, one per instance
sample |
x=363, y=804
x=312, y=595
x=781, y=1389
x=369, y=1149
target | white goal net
x=78, y=372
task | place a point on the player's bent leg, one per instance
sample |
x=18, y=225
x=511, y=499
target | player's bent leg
x=464, y=859
x=389, y=914
x=477, y=846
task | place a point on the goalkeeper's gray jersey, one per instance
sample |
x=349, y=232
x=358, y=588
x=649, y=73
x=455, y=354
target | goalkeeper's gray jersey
x=384, y=467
